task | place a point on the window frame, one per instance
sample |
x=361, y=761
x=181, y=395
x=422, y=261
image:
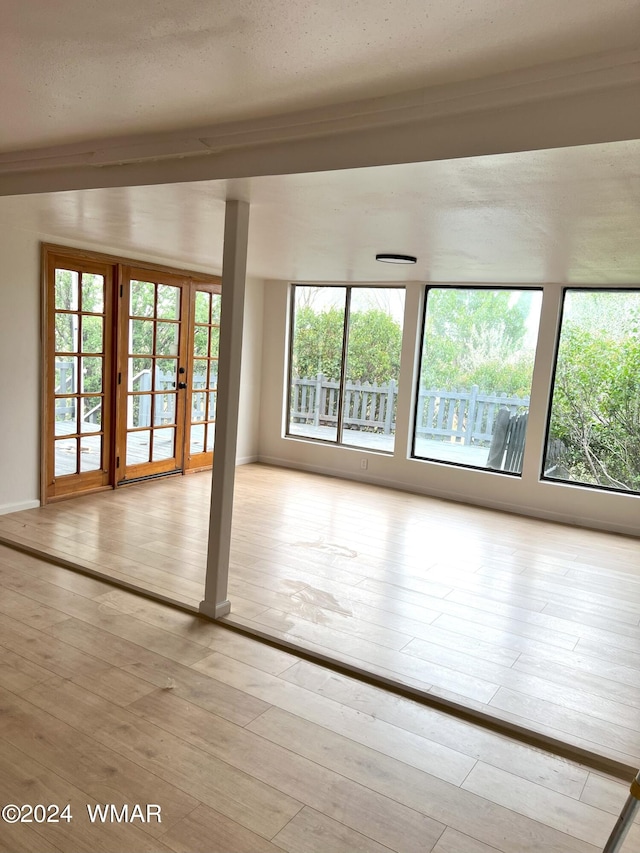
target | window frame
x=419, y=352
x=348, y=288
x=556, y=481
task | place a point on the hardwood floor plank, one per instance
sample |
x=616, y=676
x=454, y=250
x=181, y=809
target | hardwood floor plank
x=606, y=794
x=98, y=771
x=312, y=832
x=198, y=688
x=208, y=831
x=578, y=727
x=452, y=841
x=577, y=819
x=507, y=633
x=18, y=674
x=442, y=801
x=357, y=806
x=240, y=796
x=365, y=729
x=32, y=783
x=379, y=658
x=474, y=741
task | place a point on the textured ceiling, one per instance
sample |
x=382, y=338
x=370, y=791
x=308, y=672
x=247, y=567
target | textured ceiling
x=568, y=215
x=79, y=69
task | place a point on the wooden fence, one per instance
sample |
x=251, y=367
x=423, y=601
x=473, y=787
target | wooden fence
x=65, y=408
x=466, y=417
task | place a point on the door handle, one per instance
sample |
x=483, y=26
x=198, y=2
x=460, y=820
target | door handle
x=182, y=384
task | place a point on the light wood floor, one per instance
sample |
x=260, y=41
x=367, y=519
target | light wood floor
x=106, y=697
x=534, y=622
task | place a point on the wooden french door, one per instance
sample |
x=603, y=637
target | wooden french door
x=130, y=371
x=203, y=375
x=78, y=376
x=152, y=373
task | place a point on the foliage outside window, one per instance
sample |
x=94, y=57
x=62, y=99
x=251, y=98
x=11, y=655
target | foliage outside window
x=345, y=364
x=476, y=368
x=594, y=427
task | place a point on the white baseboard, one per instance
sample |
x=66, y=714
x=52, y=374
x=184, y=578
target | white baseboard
x=247, y=460
x=5, y=509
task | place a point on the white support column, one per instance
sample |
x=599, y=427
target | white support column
x=234, y=267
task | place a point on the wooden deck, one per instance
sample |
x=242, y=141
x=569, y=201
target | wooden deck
x=535, y=622
x=443, y=450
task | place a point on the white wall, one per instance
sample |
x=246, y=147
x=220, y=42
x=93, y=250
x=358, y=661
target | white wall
x=19, y=370
x=527, y=495
x=21, y=360
x=251, y=374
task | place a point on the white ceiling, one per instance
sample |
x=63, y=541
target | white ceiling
x=568, y=215
x=74, y=70
x=79, y=70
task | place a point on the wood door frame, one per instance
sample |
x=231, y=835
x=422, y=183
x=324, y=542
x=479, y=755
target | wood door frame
x=199, y=461
x=69, y=254
x=150, y=469
x=93, y=480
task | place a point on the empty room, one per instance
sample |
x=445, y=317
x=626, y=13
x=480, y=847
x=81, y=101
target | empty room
x=319, y=474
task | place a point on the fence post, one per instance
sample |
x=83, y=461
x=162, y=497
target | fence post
x=498, y=441
x=316, y=402
x=471, y=415
x=388, y=415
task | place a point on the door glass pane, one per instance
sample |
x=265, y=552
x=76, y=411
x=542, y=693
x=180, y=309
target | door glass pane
x=167, y=338
x=66, y=411
x=138, y=446
x=92, y=334
x=91, y=377
x=141, y=337
x=142, y=299
x=475, y=376
x=92, y=293
x=66, y=332
x=376, y=317
x=199, y=373
x=316, y=359
x=594, y=429
x=140, y=374
x=203, y=301
x=66, y=459
x=215, y=341
x=90, y=453
x=211, y=434
x=216, y=303
x=165, y=409
x=66, y=375
x=91, y=414
x=66, y=290
x=201, y=341
x=197, y=438
x=168, y=302
x=166, y=374
x=198, y=403
x=138, y=410
x=163, y=444
x=213, y=374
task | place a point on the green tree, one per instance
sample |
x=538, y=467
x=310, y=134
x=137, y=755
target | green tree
x=477, y=337
x=317, y=343
x=373, y=348
x=596, y=404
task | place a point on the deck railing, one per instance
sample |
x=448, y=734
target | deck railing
x=464, y=416
x=65, y=407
